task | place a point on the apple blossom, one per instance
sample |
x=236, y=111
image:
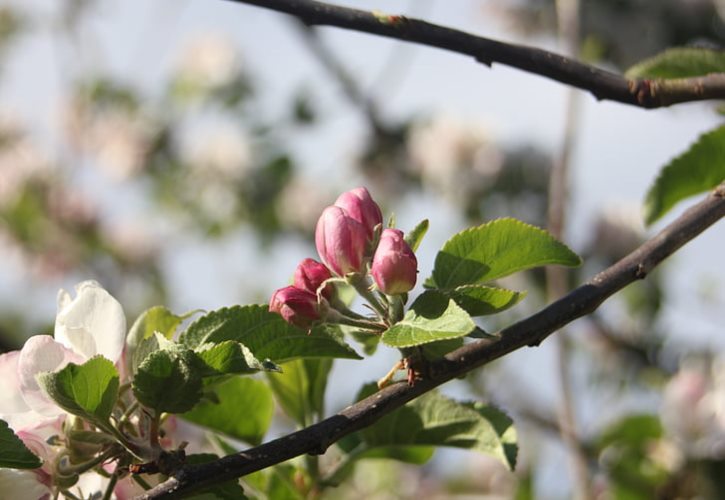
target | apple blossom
x=91, y=323
x=298, y=307
x=359, y=205
x=692, y=410
x=341, y=241
x=310, y=275
x=394, y=265
x=42, y=354
x=23, y=484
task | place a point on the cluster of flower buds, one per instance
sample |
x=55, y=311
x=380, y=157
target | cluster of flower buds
x=352, y=244
x=299, y=303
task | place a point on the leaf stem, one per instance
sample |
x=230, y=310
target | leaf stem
x=313, y=469
x=364, y=323
x=397, y=309
x=111, y=485
x=69, y=470
x=129, y=411
x=141, y=482
x=362, y=286
x=121, y=438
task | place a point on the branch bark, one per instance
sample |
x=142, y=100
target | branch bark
x=600, y=83
x=528, y=332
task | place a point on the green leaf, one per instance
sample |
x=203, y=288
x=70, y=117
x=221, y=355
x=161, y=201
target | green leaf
x=625, y=453
x=496, y=249
x=89, y=390
x=227, y=490
x=701, y=168
x=432, y=317
x=229, y=357
x=300, y=389
x=358, y=450
x=278, y=482
x=504, y=427
x=169, y=381
x=243, y=409
x=435, y=420
x=633, y=431
x=480, y=300
x=13, y=452
x=155, y=319
x=368, y=341
x=435, y=350
x=139, y=353
x=267, y=335
x=415, y=236
x=679, y=62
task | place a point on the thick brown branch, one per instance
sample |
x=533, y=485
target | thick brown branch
x=602, y=84
x=528, y=332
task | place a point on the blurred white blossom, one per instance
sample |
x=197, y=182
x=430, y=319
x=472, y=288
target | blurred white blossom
x=619, y=229
x=132, y=241
x=209, y=60
x=119, y=139
x=218, y=201
x=223, y=149
x=693, y=409
x=20, y=160
x=452, y=156
x=300, y=205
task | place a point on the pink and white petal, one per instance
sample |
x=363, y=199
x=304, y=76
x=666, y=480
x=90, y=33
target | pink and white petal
x=127, y=488
x=90, y=485
x=11, y=399
x=92, y=323
x=36, y=436
x=42, y=354
x=26, y=484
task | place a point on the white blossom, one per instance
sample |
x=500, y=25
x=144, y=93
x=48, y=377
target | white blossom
x=209, y=61
x=693, y=409
x=91, y=323
x=453, y=156
x=221, y=150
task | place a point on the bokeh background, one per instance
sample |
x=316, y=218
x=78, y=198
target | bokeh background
x=180, y=152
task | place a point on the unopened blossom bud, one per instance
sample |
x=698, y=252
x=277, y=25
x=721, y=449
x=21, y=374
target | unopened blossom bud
x=310, y=275
x=298, y=307
x=394, y=266
x=360, y=206
x=340, y=241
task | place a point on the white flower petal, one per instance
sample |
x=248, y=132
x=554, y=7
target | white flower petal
x=35, y=436
x=91, y=485
x=22, y=484
x=92, y=323
x=42, y=354
x=11, y=399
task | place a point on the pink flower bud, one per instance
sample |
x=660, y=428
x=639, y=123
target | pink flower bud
x=394, y=265
x=340, y=241
x=310, y=274
x=298, y=307
x=360, y=206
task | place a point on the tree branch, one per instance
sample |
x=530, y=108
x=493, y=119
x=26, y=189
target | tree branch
x=528, y=332
x=350, y=87
x=602, y=84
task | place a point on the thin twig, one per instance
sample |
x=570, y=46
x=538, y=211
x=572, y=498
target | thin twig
x=349, y=85
x=600, y=83
x=528, y=332
x=556, y=276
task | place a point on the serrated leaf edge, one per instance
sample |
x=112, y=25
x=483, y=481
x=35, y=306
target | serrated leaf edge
x=548, y=235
